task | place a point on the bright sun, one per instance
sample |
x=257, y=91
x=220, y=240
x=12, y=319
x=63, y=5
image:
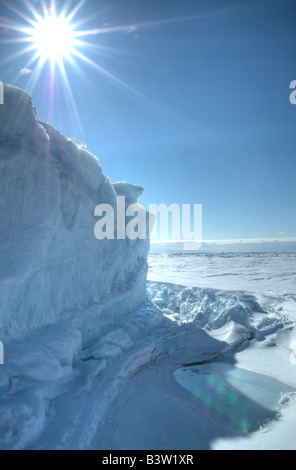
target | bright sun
x=53, y=38
x=52, y=41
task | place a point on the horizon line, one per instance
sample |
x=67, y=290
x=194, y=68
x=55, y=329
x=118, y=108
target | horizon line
x=230, y=241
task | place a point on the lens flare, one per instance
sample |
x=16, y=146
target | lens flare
x=49, y=33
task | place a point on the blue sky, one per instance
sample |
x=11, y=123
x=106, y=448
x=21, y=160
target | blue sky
x=204, y=116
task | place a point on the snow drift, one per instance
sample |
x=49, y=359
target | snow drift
x=51, y=262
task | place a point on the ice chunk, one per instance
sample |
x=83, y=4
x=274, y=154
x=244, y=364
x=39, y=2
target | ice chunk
x=51, y=261
x=77, y=142
x=131, y=192
x=214, y=309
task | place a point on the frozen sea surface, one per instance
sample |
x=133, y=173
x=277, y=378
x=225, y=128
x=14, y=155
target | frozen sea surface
x=230, y=271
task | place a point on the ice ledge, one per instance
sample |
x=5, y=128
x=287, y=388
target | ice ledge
x=131, y=192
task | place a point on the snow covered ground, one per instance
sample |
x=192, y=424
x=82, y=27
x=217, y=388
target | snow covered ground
x=194, y=368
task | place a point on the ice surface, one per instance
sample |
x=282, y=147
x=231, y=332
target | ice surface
x=254, y=272
x=51, y=262
x=243, y=399
x=119, y=390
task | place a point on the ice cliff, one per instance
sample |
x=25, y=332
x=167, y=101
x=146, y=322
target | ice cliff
x=50, y=261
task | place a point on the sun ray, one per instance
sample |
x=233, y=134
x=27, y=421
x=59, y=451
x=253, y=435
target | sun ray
x=66, y=8
x=56, y=40
x=16, y=55
x=160, y=108
x=28, y=4
x=83, y=76
x=14, y=27
x=73, y=13
x=19, y=13
x=44, y=9
x=15, y=41
x=144, y=100
x=35, y=76
x=71, y=98
x=27, y=66
x=107, y=50
x=106, y=73
x=145, y=24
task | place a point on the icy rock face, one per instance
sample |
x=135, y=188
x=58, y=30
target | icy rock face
x=50, y=260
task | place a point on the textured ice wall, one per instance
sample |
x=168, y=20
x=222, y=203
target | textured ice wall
x=50, y=260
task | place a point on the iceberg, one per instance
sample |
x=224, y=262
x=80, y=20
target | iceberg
x=50, y=261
